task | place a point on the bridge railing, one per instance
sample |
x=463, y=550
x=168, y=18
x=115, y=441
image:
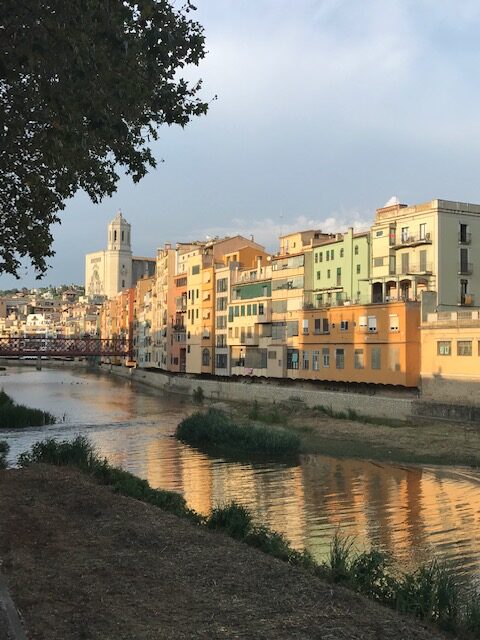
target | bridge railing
x=63, y=346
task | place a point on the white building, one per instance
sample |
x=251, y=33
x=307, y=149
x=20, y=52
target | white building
x=109, y=272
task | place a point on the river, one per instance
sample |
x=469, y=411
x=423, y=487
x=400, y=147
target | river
x=413, y=513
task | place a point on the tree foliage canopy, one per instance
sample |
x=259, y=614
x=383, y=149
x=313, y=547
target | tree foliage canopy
x=84, y=86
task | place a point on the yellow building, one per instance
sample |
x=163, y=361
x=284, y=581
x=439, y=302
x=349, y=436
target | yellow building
x=434, y=246
x=450, y=368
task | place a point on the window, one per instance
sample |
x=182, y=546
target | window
x=356, y=250
x=249, y=309
x=195, y=270
x=340, y=358
x=405, y=262
x=378, y=262
x=404, y=234
x=123, y=284
x=196, y=313
x=394, y=358
x=315, y=360
x=463, y=291
x=279, y=330
x=261, y=309
x=221, y=322
x=325, y=328
x=305, y=327
x=318, y=275
x=254, y=309
x=325, y=357
x=327, y=255
x=222, y=303
x=222, y=285
x=331, y=255
x=358, y=268
x=444, y=348
x=359, y=362
x=464, y=347
x=292, y=358
x=328, y=273
x=272, y=355
x=422, y=231
x=316, y=258
x=236, y=311
x=221, y=341
x=423, y=260
x=242, y=310
x=376, y=357
x=362, y=322
x=305, y=360
x=292, y=328
x=221, y=360
x=393, y=322
x=344, y=325
x=341, y=253
x=339, y=276
x=372, y=324
x=320, y=256
x=114, y=236
x=463, y=235
x=463, y=260
x=318, y=324
x=392, y=236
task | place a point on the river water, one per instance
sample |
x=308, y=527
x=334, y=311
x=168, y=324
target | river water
x=414, y=513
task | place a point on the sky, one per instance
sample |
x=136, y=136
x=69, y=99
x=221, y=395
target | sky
x=325, y=110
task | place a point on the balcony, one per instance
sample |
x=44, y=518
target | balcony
x=464, y=238
x=423, y=268
x=412, y=241
x=465, y=269
x=466, y=300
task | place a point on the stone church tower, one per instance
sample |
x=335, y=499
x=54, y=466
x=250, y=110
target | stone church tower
x=118, y=256
x=109, y=272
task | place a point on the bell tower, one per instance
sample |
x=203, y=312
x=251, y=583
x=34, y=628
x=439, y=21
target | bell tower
x=118, y=256
x=119, y=234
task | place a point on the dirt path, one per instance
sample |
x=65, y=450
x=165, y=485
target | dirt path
x=82, y=564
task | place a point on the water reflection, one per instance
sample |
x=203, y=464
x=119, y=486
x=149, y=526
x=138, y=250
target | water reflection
x=413, y=513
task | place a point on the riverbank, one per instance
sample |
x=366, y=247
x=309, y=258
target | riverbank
x=422, y=442
x=106, y=566
x=390, y=434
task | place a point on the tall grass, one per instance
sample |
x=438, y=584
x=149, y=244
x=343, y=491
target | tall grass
x=4, y=449
x=352, y=414
x=236, y=521
x=214, y=428
x=14, y=415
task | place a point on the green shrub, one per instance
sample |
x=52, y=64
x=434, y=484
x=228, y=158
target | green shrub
x=4, y=449
x=14, y=415
x=215, y=429
x=234, y=519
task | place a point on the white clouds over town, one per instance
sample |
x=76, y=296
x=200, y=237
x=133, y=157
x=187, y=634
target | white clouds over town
x=325, y=109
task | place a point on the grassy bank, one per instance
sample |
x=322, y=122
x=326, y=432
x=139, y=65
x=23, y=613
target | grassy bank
x=354, y=435
x=214, y=429
x=13, y=415
x=430, y=593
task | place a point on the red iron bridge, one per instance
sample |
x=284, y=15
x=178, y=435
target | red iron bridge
x=63, y=347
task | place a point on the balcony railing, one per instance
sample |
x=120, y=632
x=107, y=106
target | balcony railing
x=466, y=300
x=411, y=241
x=465, y=269
x=464, y=238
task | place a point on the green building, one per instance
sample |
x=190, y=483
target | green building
x=337, y=270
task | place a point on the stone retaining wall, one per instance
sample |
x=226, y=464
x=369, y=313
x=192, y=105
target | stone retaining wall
x=248, y=390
